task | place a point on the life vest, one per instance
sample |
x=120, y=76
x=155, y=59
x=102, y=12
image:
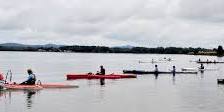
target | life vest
x=34, y=78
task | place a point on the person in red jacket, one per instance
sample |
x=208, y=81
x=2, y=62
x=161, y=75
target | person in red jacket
x=1, y=81
x=1, y=77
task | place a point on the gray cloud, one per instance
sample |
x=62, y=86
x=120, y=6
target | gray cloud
x=149, y=23
x=209, y=10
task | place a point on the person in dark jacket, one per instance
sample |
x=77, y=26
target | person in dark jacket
x=202, y=67
x=31, y=78
x=156, y=71
x=174, y=71
x=102, y=70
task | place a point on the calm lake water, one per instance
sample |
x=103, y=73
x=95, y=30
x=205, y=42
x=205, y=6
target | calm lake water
x=184, y=93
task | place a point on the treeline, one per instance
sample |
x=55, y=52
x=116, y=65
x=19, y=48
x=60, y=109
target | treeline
x=103, y=49
x=158, y=50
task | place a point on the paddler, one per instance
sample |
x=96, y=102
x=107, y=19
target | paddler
x=102, y=70
x=1, y=81
x=174, y=71
x=1, y=77
x=202, y=66
x=31, y=78
x=156, y=71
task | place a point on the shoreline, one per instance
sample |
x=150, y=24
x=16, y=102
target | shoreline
x=104, y=49
x=107, y=53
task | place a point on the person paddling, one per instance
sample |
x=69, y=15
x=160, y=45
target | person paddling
x=1, y=81
x=156, y=71
x=102, y=70
x=174, y=71
x=31, y=78
x=202, y=66
x=1, y=77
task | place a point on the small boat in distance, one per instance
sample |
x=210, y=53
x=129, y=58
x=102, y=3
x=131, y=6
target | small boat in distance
x=220, y=81
x=165, y=59
x=153, y=72
x=210, y=62
x=150, y=62
x=198, y=69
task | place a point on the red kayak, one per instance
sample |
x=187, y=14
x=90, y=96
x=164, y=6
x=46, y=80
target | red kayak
x=38, y=86
x=93, y=76
x=22, y=87
x=58, y=85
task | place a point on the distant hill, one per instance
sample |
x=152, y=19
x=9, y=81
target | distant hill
x=52, y=45
x=16, y=45
x=125, y=46
x=12, y=45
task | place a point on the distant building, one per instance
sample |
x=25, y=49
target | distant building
x=206, y=53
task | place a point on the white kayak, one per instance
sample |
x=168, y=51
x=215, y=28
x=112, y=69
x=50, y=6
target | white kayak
x=198, y=69
x=150, y=62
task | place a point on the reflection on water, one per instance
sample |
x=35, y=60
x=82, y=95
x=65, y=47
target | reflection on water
x=156, y=75
x=8, y=96
x=221, y=88
x=99, y=82
x=174, y=80
x=202, y=71
x=102, y=82
x=29, y=98
x=202, y=74
x=1, y=93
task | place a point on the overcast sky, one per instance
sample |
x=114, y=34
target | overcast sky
x=150, y=23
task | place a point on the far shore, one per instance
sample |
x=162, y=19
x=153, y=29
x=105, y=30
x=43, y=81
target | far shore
x=103, y=49
x=205, y=54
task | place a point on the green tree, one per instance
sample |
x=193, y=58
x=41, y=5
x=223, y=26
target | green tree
x=220, y=51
